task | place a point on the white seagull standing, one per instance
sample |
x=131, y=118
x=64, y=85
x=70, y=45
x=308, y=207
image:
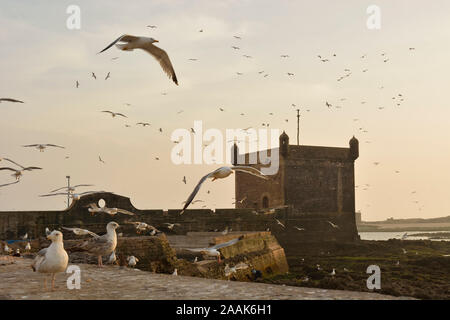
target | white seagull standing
x=53, y=259
x=146, y=43
x=221, y=173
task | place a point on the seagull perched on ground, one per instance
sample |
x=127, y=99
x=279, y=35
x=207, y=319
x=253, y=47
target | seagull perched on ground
x=113, y=114
x=42, y=147
x=10, y=100
x=81, y=232
x=18, y=173
x=102, y=245
x=28, y=247
x=112, y=258
x=145, y=43
x=214, y=250
x=53, y=259
x=221, y=173
x=132, y=261
x=175, y=272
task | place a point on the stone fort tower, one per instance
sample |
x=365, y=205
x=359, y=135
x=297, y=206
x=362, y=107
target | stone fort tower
x=310, y=179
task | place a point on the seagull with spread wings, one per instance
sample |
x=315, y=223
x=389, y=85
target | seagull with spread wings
x=71, y=189
x=146, y=44
x=93, y=208
x=18, y=173
x=74, y=196
x=222, y=173
x=214, y=250
x=81, y=232
x=114, y=114
x=42, y=147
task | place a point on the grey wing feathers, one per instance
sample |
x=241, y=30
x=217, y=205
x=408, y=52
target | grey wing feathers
x=163, y=59
x=226, y=244
x=124, y=37
x=196, y=189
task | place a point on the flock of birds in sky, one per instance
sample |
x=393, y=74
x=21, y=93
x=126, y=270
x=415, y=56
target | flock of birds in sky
x=130, y=42
x=54, y=259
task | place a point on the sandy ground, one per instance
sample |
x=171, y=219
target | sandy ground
x=18, y=281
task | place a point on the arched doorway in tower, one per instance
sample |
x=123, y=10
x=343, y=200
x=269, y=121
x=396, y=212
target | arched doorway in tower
x=265, y=202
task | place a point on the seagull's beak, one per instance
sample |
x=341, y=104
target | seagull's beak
x=154, y=40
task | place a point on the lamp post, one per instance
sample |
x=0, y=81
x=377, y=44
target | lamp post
x=68, y=191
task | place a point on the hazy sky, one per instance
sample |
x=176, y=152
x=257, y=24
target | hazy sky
x=41, y=59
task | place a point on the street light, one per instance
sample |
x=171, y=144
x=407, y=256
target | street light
x=68, y=191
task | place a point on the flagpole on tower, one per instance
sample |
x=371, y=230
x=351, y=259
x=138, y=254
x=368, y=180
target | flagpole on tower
x=298, y=126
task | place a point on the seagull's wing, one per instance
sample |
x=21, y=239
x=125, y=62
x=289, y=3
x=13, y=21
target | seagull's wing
x=196, y=189
x=226, y=244
x=250, y=170
x=163, y=59
x=53, y=194
x=85, y=231
x=10, y=100
x=30, y=145
x=82, y=185
x=125, y=212
x=8, y=168
x=121, y=114
x=32, y=168
x=58, y=189
x=54, y=145
x=107, y=111
x=14, y=163
x=123, y=38
x=7, y=184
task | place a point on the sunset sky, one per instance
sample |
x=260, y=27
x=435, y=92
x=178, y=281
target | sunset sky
x=41, y=60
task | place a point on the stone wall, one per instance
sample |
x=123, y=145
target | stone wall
x=13, y=224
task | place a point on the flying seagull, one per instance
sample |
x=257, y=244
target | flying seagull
x=221, y=173
x=108, y=76
x=81, y=232
x=71, y=189
x=18, y=173
x=41, y=147
x=214, y=250
x=113, y=114
x=146, y=43
x=10, y=100
x=93, y=208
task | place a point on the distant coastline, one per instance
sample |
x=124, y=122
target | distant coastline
x=399, y=225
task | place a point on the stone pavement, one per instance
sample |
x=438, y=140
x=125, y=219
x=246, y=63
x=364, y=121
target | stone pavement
x=18, y=281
